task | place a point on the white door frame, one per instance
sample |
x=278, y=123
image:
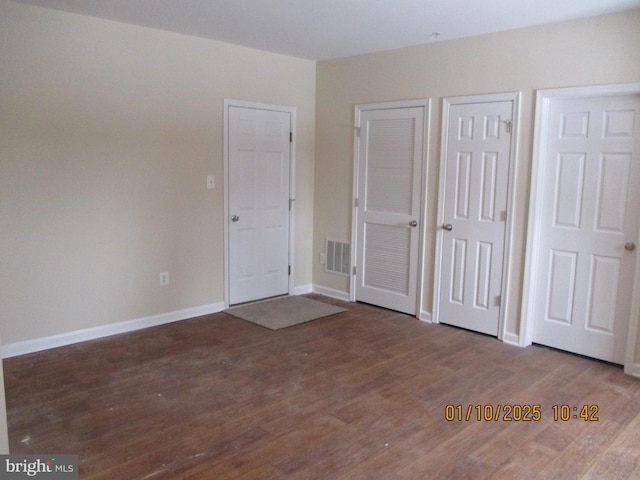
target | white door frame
x=426, y=104
x=514, y=98
x=292, y=186
x=543, y=105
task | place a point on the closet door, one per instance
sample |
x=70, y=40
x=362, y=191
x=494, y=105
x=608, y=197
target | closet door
x=390, y=152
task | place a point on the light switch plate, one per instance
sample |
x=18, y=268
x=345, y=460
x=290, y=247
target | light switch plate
x=211, y=182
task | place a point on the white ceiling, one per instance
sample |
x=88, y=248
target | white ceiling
x=324, y=29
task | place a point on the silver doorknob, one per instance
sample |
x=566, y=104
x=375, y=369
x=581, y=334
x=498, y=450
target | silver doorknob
x=448, y=227
x=235, y=218
x=413, y=223
x=630, y=246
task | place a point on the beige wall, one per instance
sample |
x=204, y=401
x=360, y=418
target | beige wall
x=599, y=50
x=109, y=130
x=108, y=133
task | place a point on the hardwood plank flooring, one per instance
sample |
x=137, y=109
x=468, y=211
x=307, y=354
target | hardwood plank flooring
x=358, y=395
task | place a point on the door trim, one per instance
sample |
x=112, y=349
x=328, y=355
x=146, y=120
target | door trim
x=543, y=105
x=447, y=102
x=292, y=186
x=426, y=105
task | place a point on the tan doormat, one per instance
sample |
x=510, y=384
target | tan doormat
x=284, y=312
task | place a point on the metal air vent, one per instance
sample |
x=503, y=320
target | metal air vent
x=338, y=258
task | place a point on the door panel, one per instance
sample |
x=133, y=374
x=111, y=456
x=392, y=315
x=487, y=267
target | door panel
x=387, y=258
x=475, y=172
x=589, y=211
x=391, y=149
x=259, y=156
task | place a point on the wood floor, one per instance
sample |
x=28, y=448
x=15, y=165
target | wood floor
x=358, y=395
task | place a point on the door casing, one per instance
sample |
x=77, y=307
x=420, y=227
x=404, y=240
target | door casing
x=544, y=98
x=228, y=103
x=514, y=98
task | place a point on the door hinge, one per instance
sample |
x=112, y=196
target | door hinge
x=354, y=270
x=503, y=216
x=498, y=300
x=355, y=202
x=357, y=131
x=289, y=269
x=291, y=200
x=509, y=125
x=290, y=137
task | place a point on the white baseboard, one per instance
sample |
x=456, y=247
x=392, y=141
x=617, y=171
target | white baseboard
x=512, y=339
x=425, y=316
x=633, y=370
x=53, y=341
x=45, y=343
x=330, y=292
x=303, y=289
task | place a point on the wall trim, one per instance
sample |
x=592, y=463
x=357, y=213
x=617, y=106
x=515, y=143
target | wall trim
x=425, y=316
x=77, y=336
x=330, y=292
x=302, y=289
x=633, y=369
x=53, y=341
x=512, y=339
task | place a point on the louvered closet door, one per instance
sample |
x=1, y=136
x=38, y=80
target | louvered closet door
x=390, y=153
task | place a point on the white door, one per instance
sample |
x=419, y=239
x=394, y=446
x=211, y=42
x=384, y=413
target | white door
x=474, y=184
x=390, y=151
x=258, y=203
x=589, y=225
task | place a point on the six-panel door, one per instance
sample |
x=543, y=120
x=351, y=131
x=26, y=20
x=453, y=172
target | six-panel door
x=589, y=225
x=474, y=203
x=259, y=156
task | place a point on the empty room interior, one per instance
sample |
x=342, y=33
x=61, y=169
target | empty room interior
x=458, y=183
